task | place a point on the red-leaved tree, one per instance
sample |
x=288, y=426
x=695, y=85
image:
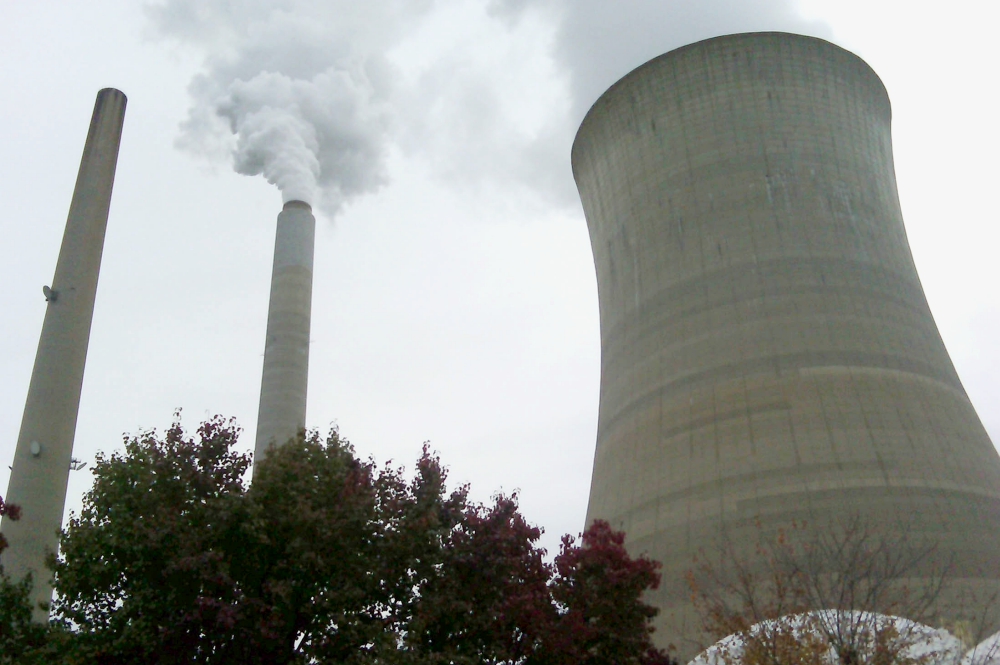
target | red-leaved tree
x=327, y=558
x=488, y=600
x=598, y=587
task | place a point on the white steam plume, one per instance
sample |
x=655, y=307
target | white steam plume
x=293, y=90
x=312, y=94
x=502, y=100
x=306, y=137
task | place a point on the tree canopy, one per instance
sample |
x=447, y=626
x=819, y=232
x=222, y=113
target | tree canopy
x=328, y=558
x=846, y=594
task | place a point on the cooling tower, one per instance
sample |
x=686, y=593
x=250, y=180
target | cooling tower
x=767, y=349
x=282, y=412
x=42, y=459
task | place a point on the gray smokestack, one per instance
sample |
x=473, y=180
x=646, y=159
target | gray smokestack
x=282, y=412
x=767, y=350
x=44, y=451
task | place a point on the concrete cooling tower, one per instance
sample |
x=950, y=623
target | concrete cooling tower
x=44, y=453
x=282, y=412
x=767, y=349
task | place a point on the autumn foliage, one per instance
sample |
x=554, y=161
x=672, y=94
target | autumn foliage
x=328, y=558
x=840, y=594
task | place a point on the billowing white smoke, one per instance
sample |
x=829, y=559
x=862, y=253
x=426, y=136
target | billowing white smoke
x=312, y=94
x=298, y=91
x=598, y=41
x=274, y=141
x=308, y=136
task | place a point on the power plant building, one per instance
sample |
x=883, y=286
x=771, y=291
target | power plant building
x=767, y=349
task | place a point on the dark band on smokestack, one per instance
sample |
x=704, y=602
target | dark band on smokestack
x=282, y=412
x=44, y=452
x=297, y=204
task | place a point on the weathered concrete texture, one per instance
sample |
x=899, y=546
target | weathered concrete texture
x=767, y=349
x=40, y=471
x=282, y=412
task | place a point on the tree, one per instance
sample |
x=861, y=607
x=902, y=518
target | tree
x=495, y=600
x=809, y=597
x=327, y=558
x=306, y=570
x=599, y=589
x=488, y=599
x=146, y=569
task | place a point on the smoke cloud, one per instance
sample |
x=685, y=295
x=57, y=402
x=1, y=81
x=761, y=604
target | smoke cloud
x=507, y=122
x=599, y=42
x=324, y=135
x=299, y=92
x=315, y=94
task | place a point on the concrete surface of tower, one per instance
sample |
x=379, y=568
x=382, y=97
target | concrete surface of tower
x=282, y=412
x=767, y=349
x=44, y=452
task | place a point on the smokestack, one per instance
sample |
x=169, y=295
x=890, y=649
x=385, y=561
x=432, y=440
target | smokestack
x=282, y=412
x=44, y=452
x=767, y=350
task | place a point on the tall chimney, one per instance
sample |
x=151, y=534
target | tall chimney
x=44, y=452
x=282, y=412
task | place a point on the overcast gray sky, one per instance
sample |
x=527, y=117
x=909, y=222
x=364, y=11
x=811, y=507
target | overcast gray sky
x=454, y=297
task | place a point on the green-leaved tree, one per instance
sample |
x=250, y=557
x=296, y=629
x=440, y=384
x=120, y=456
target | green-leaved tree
x=327, y=558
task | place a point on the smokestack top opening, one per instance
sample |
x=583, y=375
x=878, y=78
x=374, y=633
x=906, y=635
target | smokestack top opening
x=109, y=92
x=297, y=204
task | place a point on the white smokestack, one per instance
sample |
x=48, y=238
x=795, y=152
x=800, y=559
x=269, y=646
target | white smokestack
x=282, y=412
x=40, y=471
